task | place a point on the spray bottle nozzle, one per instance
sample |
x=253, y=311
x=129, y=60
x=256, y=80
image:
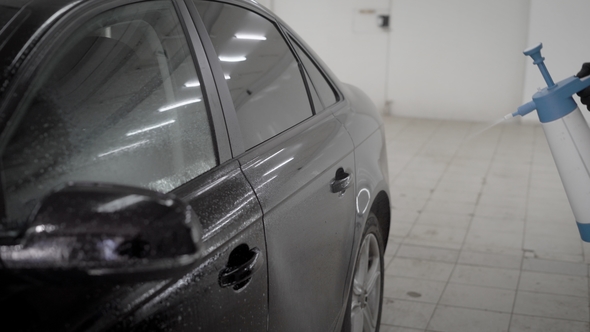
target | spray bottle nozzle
x=525, y=109
x=535, y=53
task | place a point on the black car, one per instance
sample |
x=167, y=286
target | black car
x=183, y=165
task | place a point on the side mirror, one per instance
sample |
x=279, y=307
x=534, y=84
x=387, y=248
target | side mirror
x=102, y=231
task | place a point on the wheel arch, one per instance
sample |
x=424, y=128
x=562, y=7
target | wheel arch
x=382, y=211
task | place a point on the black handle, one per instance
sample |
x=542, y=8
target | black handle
x=238, y=276
x=341, y=182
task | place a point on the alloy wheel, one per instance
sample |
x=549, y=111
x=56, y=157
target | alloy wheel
x=366, y=289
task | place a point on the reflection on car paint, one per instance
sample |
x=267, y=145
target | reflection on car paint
x=279, y=166
x=258, y=163
x=227, y=218
x=265, y=182
x=363, y=198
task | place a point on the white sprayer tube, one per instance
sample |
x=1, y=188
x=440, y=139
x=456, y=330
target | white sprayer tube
x=569, y=141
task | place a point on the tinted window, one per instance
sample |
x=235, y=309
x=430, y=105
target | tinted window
x=261, y=72
x=119, y=102
x=319, y=82
x=6, y=13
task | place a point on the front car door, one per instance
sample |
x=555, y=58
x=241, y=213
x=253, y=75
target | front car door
x=299, y=159
x=120, y=92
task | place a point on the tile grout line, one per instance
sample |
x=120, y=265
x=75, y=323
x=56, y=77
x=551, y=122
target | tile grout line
x=439, y=124
x=468, y=226
x=399, y=133
x=405, y=166
x=528, y=191
x=422, y=147
x=500, y=153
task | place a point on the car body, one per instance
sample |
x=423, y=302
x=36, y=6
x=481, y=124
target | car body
x=183, y=165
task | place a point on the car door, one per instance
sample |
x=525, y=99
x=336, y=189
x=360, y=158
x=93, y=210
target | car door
x=122, y=93
x=298, y=158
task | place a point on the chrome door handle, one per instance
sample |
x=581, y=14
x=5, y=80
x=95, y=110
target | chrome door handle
x=341, y=182
x=239, y=274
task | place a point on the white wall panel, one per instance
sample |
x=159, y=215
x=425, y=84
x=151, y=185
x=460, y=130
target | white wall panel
x=457, y=59
x=451, y=59
x=266, y=3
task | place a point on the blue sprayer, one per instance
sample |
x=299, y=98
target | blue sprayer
x=568, y=136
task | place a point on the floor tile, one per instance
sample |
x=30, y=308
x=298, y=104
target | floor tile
x=451, y=319
x=503, y=200
x=472, y=187
x=521, y=323
x=403, y=216
x=417, y=290
x=503, y=212
x=553, y=283
x=468, y=296
x=552, y=228
x=422, y=269
x=490, y=240
x=437, y=234
x=406, y=313
x=444, y=219
x=449, y=207
x=490, y=259
x=549, y=266
x=391, y=249
x=400, y=229
x=455, y=196
x=498, y=224
x=552, y=306
x=389, y=328
x=428, y=253
x=553, y=244
x=488, y=229
x=408, y=203
x=485, y=276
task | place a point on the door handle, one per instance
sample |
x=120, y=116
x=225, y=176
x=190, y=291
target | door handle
x=243, y=263
x=341, y=181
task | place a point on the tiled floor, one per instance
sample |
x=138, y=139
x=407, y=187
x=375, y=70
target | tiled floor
x=482, y=236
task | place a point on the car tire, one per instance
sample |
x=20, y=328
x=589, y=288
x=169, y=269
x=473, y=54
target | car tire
x=363, y=312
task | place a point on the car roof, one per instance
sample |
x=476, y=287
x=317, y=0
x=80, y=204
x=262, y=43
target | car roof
x=23, y=29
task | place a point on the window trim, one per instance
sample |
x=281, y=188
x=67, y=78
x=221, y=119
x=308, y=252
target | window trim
x=298, y=43
x=320, y=65
x=203, y=69
x=226, y=103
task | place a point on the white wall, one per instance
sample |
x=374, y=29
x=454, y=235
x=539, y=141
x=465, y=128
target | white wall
x=266, y=3
x=452, y=59
x=457, y=59
x=562, y=27
x=349, y=41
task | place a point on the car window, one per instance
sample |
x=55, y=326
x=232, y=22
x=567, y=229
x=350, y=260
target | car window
x=261, y=72
x=319, y=82
x=6, y=13
x=119, y=102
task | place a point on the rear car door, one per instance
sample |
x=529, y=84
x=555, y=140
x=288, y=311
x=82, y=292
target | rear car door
x=121, y=92
x=299, y=159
